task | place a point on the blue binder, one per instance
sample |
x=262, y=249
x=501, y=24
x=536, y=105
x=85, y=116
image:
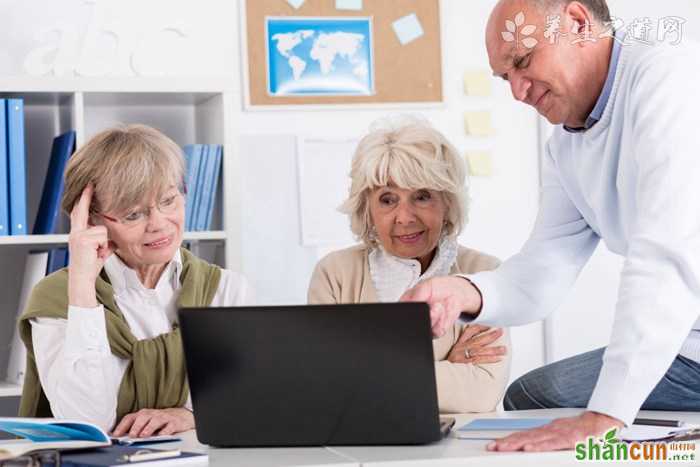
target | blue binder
x=49, y=206
x=193, y=155
x=201, y=174
x=4, y=182
x=58, y=258
x=16, y=167
x=201, y=218
x=214, y=187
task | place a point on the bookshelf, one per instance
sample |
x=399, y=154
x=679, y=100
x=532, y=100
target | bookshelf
x=62, y=239
x=187, y=110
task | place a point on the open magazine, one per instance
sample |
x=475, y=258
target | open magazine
x=20, y=436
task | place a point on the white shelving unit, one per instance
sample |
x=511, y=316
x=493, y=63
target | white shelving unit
x=188, y=111
x=62, y=239
x=9, y=389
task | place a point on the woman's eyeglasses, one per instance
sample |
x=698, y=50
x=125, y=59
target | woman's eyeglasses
x=167, y=205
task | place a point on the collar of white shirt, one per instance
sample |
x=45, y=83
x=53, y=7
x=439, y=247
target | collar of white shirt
x=392, y=275
x=123, y=277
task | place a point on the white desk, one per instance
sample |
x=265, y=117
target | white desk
x=450, y=452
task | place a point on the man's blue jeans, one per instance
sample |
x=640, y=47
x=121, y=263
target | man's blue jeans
x=570, y=383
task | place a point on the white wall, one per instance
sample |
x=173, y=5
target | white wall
x=503, y=206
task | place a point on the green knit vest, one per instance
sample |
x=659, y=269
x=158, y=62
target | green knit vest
x=155, y=377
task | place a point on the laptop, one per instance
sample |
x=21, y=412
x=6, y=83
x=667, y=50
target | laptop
x=313, y=375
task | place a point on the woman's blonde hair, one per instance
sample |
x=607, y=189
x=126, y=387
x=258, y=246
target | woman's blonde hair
x=127, y=165
x=410, y=154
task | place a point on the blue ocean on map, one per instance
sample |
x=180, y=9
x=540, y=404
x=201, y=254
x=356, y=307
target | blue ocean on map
x=320, y=56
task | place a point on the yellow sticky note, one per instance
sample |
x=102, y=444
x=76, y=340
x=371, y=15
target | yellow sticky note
x=479, y=164
x=478, y=123
x=477, y=83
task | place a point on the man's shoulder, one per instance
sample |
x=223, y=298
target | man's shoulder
x=645, y=61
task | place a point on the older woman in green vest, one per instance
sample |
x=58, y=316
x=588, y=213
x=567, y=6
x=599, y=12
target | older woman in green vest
x=101, y=335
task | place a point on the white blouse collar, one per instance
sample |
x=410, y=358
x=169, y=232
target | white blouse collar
x=123, y=277
x=392, y=275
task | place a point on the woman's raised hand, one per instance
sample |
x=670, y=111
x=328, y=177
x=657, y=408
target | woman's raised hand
x=88, y=247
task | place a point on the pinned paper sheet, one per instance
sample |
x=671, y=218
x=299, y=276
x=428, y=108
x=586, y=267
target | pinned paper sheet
x=348, y=5
x=323, y=166
x=477, y=83
x=478, y=123
x=296, y=3
x=408, y=28
x=479, y=164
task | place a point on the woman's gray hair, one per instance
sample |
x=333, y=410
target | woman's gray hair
x=127, y=165
x=410, y=154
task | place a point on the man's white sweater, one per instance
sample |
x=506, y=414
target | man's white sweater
x=633, y=179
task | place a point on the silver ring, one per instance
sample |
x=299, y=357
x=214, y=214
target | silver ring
x=466, y=353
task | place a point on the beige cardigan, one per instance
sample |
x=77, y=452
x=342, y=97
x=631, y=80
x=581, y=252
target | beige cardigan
x=343, y=277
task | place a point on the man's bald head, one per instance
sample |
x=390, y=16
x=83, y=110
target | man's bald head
x=552, y=53
x=598, y=8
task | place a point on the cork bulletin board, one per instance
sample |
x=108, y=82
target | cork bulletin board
x=409, y=73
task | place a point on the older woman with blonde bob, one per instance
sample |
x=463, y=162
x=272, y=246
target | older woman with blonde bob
x=407, y=205
x=101, y=334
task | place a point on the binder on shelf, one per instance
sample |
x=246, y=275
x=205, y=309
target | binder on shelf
x=50, y=204
x=207, y=194
x=193, y=156
x=215, y=186
x=34, y=270
x=17, y=167
x=4, y=181
x=58, y=259
x=199, y=185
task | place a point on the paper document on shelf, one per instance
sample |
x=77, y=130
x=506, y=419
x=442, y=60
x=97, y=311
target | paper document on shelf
x=323, y=166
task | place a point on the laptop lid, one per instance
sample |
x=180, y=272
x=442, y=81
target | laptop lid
x=312, y=375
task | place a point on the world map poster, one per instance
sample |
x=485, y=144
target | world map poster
x=319, y=56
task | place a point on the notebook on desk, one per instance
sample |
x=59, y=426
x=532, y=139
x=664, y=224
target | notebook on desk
x=312, y=375
x=495, y=428
x=129, y=455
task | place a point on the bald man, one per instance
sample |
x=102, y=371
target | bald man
x=623, y=165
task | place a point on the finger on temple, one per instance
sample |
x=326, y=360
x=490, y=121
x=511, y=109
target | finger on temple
x=81, y=210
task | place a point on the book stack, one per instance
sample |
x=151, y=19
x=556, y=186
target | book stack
x=202, y=169
x=13, y=178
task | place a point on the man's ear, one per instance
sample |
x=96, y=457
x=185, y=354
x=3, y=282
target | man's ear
x=578, y=16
